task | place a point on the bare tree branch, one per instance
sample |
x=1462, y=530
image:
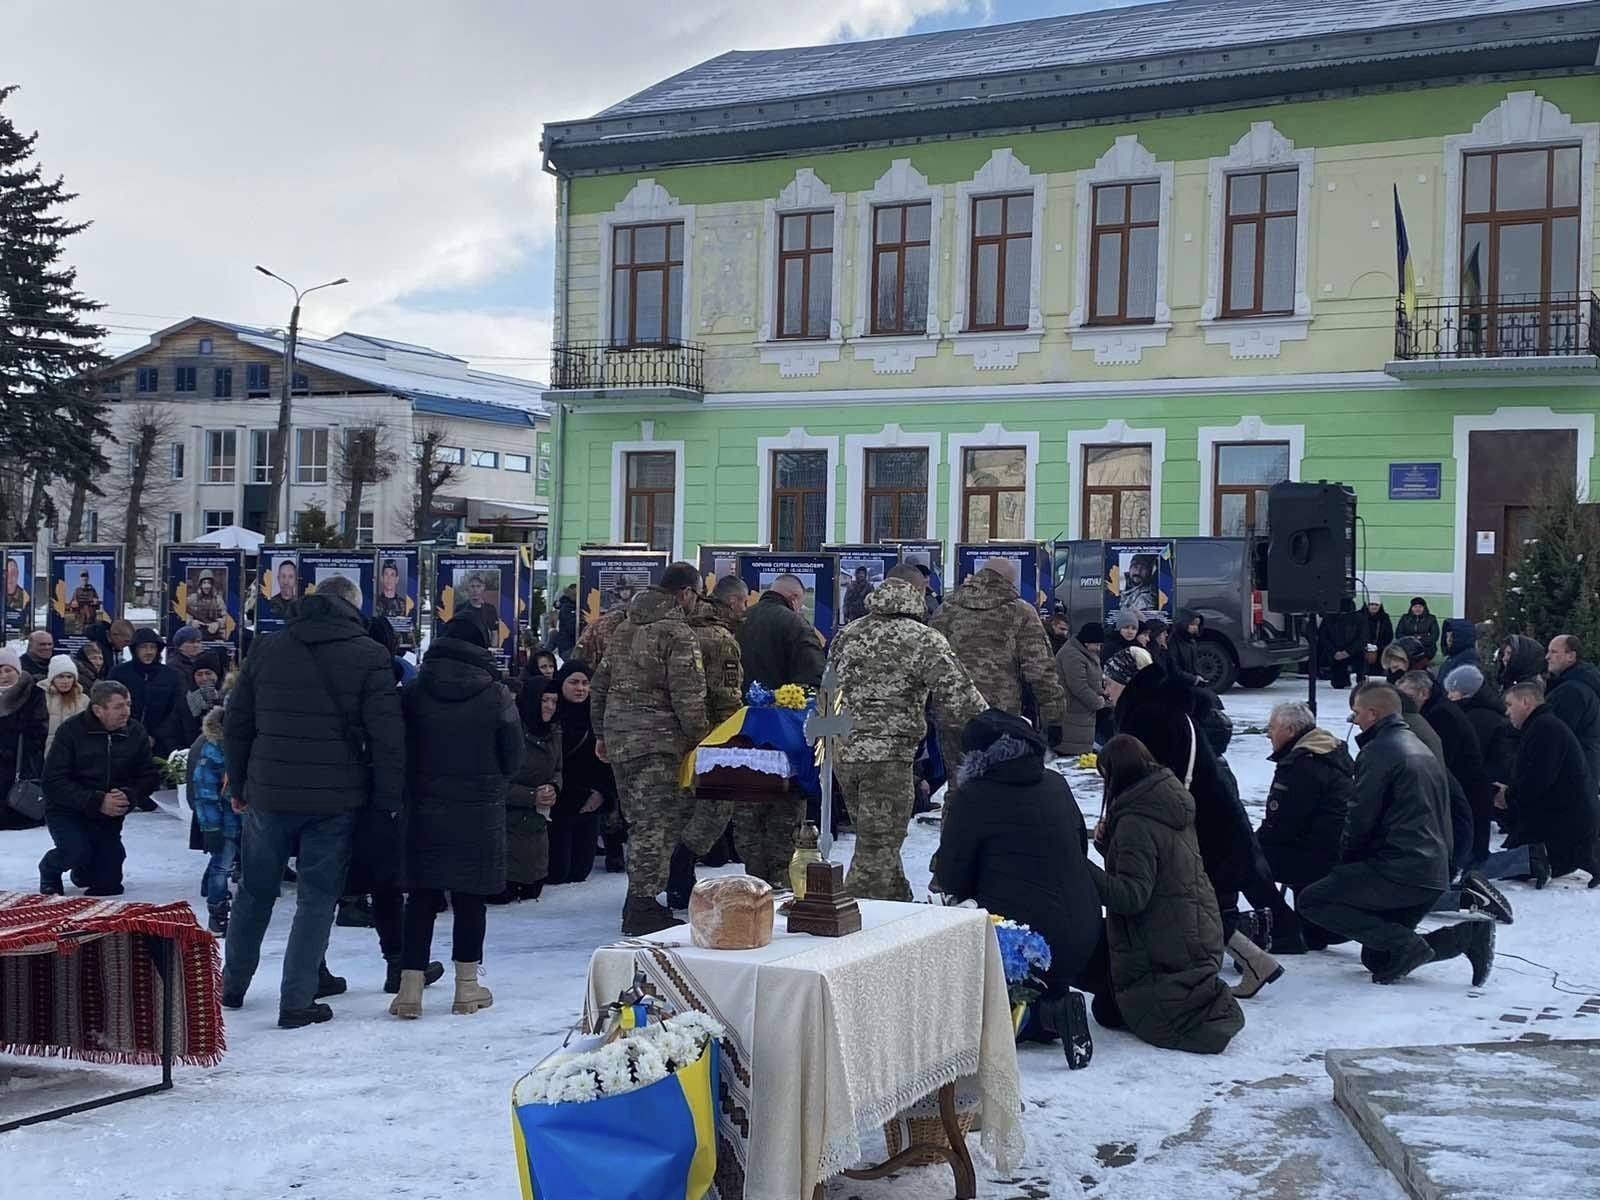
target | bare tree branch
x=433, y=472
x=366, y=456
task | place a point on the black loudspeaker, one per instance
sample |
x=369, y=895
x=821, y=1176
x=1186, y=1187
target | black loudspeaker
x=1311, y=549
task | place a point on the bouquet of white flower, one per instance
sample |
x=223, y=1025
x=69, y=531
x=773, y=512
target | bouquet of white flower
x=646, y=1055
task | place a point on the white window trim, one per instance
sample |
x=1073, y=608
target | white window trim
x=890, y=437
x=1121, y=345
x=896, y=353
x=993, y=435
x=1521, y=119
x=1003, y=174
x=490, y=466
x=1257, y=337
x=1249, y=429
x=206, y=459
x=619, y=483
x=647, y=203
x=799, y=359
x=795, y=439
x=526, y=468
x=266, y=431
x=300, y=463
x=1112, y=433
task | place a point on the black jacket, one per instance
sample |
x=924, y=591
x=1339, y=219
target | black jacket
x=778, y=646
x=1183, y=657
x=157, y=694
x=1463, y=756
x=566, y=626
x=24, y=726
x=1520, y=658
x=86, y=761
x=1574, y=696
x=1497, y=737
x=466, y=744
x=1312, y=790
x=39, y=668
x=1424, y=628
x=1400, y=822
x=1460, y=645
x=1376, y=628
x=1014, y=840
x=1552, y=795
x=286, y=748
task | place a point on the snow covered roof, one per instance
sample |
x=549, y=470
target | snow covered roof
x=1137, y=59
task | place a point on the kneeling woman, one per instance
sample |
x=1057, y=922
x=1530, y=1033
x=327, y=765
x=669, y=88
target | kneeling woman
x=1163, y=923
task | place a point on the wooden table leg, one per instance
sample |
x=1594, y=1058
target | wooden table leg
x=955, y=1155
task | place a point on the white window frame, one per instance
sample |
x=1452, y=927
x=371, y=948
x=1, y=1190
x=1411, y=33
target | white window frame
x=366, y=527
x=799, y=359
x=1003, y=175
x=175, y=461
x=313, y=472
x=476, y=458
x=895, y=353
x=647, y=203
x=1249, y=429
x=619, y=482
x=1126, y=162
x=990, y=437
x=1112, y=433
x=525, y=459
x=890, y=437
x=212, y=470
x=266, y=433
x=174, y=527
x=1261, y=149
x=206, y=525
x=796, y=439
x=442, y=454
x=91, y=525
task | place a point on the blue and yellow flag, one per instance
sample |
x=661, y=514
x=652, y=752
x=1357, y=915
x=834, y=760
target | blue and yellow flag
x=1405, y=270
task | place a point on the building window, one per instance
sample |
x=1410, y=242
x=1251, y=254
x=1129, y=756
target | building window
x=486, y=458
x=91, y=525
x=112, y=386
x=648, y=499
x=1124, y=243
x=994, y=490
x=805, y=274
x=177, y=460
x=263, y=455
x=896, y=500
x=1520, y=248
x=204, y=346
x=799, y=499
x=647, y=284
x=1002, y=262
x=222, y=383
x=1116, y=491
x=450, y=454
x=185, y=379
x=518, y=462
x=222, y=447
x=1244, y=472
x=900, y=237
x=366, y=528
x=1258, y=268
x=147, y=379
x=301, y=384
x=257, y=379
x=311, y=456
x=217, y=518
x=174, y=527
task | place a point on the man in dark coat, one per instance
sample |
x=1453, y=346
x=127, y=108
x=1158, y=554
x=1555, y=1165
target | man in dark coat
x=1313, y=787
x=1341, y=644
x=1463, y=758
x=1551, y=796
x=1421, y=624
x=1519, y=658
x=1574, y=694
x=1459, y=645
x=1377, y=631
x=99, y=767
x=157, y=691
x=313, y=735
x=36, y=659
x=776, y=643
x=1395, y=853
x=1486, y=713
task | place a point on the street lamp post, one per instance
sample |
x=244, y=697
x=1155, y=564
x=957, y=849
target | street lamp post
x=278, y=493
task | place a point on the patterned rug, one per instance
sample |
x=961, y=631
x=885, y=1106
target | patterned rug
x=79, y=979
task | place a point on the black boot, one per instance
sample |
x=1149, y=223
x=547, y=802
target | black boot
x=391, y=975
x=642, y=915
x=1287, y=937
x=680, y=877
x=329, y=984
x=217, y=918
x=1478, y=945
x=49, y=881
x=299, y=1018
x=1539, y=857
x=1067, y=1018
x=355, y=912
x=1401, y=965
x=616, y=860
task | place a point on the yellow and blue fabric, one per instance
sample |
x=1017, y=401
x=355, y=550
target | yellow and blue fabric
x=1405, y=269
x=651, y=1144
x=768, y=728
x=634, y=1016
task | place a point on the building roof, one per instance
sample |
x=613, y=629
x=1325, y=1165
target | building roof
x=1085, y=65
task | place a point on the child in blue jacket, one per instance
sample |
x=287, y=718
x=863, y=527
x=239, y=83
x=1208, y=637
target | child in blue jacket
x=219, y=824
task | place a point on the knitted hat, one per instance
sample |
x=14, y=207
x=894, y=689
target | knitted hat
x=184, y=636
x=1374, y=598
x=1125, y=664
x=466, y=630
x=1465, y=680
x=62, y=664
x=1126, y=619
x=987, y=728
x=10, y=658
x=1006, y=568
x=1092, y=634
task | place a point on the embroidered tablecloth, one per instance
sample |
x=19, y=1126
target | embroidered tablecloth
x=832, y=1036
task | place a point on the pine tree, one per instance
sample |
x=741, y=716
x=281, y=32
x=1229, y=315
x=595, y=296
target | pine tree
x=52, y=423
x=1551, y=579
x=311, y=528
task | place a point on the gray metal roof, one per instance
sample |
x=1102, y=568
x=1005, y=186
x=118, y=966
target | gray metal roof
x=1082, y=66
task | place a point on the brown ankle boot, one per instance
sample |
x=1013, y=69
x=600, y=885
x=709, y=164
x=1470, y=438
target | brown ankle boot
x=1259, y=967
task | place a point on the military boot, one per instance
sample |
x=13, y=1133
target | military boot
x=643, y=914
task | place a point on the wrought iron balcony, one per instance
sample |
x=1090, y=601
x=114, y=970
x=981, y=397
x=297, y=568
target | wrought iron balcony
x=595, y=366
x=1557, y=325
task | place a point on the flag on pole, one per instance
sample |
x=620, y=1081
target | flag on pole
x=1405, y=270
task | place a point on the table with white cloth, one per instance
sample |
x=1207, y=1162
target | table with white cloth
x=828, y=1037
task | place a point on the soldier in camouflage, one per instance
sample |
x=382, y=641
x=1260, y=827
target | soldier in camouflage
x=648, y=699
x=596, y=637
x=1001, y=641
x=888, y=664
x=714, y=622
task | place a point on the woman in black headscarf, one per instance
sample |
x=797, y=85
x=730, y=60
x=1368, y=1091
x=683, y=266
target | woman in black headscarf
x=587, y=786
x=533, y=791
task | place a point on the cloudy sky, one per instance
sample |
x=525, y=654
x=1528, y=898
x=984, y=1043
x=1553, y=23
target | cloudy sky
x=395, y=142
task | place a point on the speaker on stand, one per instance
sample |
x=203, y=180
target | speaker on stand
x=1311, y=554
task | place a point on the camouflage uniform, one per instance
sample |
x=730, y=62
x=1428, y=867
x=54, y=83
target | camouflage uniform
x=713, y=625
x=1001, y=641
x=888, y=663
x=596, y=637
x=649, y=702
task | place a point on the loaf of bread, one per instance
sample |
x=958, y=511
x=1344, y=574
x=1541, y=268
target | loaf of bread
x=731, y=912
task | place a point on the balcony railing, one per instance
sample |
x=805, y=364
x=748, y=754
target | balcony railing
x=598, y=365
x=1530, y=326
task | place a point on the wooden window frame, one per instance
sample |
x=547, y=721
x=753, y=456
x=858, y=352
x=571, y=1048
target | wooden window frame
x=651, y=495
x=143, y=375
x=1247, y=490
x=1125, y=228
x=1115, y=491
x=875, y=325
x=633, y=268
x=258, y=379
x=803, y=257
x=1258, y=221
x=802, y=498
x=896, y=494
x=999, y=241
x=993, y=493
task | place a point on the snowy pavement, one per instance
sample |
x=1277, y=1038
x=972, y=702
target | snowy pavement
x=368, y=1105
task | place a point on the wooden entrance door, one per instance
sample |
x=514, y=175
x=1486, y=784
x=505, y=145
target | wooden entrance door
x=1510, y=471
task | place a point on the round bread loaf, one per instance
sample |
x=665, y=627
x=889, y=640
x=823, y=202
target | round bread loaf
x=731, y=912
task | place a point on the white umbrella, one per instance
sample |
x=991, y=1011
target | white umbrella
x=234, y=537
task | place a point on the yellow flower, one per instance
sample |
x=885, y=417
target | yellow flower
x=1088, y=761
x=790, y=695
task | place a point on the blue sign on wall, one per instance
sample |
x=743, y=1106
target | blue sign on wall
x=1415, y=481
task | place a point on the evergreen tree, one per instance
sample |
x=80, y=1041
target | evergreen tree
x=52, y=423
x=1551, y=579
x=311, y=528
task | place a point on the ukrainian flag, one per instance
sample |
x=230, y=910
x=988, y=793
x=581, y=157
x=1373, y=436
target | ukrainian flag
x=1405, y=270
x=657, y=1143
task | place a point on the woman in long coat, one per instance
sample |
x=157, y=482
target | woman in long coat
x=532, y=793
x=588, y=789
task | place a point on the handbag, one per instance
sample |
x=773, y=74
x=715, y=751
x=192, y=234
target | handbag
x=25, y=796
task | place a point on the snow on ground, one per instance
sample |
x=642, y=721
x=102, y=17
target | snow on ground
x=370, y=1105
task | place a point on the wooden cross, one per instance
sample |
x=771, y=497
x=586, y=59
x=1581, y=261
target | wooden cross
x=825, y=727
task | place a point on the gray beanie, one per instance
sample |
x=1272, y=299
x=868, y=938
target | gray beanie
x=1465, y=680
x=1126, y=619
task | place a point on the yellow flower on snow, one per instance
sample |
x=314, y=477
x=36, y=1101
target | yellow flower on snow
x=790, y=695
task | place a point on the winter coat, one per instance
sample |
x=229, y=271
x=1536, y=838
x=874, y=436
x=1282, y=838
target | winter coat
x=1115, y=642
x=527, y=829
x=1001, y=641
x=1163, y=925
x=61, y=707
x=1013, y=839
x=1081, y=682
x=1463, y=756
x=157, y=694
x=1377, y=630
x=595, y=639
x=1497, y=737
x=1574, y=696
x=1460, y=643
x=39, y=668
x=24, y=730
x=1342, y=631
x=581, y=771
x=209, y=795
x=716, y=630
x=1183, y=651
x=1424, y=628
x=287, y=749
x=566, y=626
x=1400, y=822
x=86, y=761
x=1551, y=796
x=87, y=675
x=778, y=646
x=1311, y=793
x=1524, y=661
x=466, y=743
x=649, y=695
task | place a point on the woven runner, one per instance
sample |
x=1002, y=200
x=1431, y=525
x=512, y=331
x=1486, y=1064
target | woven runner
x=78, y=981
